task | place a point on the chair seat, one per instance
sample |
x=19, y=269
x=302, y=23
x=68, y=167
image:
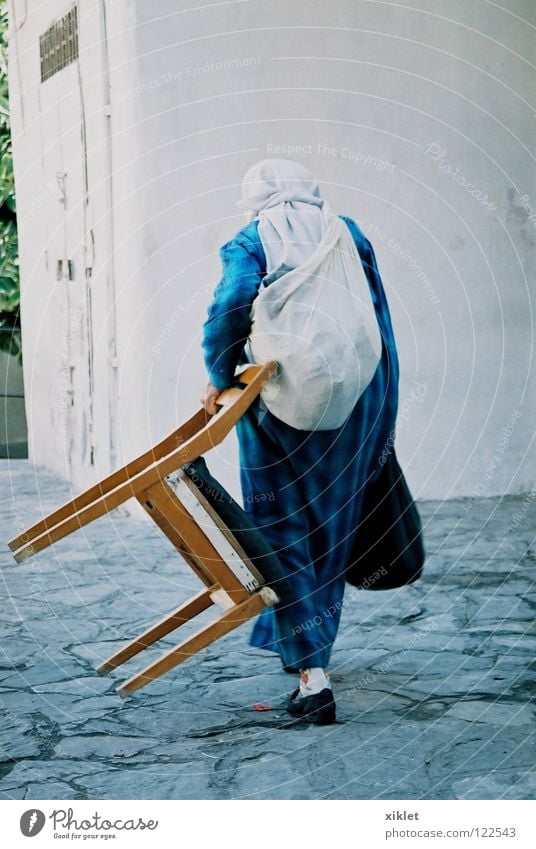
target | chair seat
x=239, y=524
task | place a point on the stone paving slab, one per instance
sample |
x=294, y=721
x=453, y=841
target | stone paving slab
x=434, y=682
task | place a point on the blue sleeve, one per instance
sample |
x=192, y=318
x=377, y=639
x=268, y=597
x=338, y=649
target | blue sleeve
x=228, y=324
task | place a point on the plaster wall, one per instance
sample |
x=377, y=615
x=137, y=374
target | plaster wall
x=417, y=123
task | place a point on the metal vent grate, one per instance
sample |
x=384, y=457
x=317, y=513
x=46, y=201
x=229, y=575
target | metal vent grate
x=58, y=46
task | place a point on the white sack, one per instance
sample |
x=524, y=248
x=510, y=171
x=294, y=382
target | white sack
x=318, y=322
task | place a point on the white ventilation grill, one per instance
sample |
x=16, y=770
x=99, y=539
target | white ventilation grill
x=58, y=46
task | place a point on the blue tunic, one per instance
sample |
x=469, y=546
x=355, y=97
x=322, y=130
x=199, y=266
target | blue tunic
x=303, y=489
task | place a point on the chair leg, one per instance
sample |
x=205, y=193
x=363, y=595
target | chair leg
x=229, y=620
x=196, y=604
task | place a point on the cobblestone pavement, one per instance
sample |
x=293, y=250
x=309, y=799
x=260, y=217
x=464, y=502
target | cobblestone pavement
x=434, y=682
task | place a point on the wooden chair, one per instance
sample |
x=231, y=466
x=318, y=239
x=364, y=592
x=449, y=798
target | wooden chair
x=184, y=515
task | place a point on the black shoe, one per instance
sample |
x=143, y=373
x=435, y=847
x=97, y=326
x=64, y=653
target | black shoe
x=293, y=670
x=318, y=708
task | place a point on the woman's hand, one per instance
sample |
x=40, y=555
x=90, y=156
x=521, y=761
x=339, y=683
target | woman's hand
x=208, y=399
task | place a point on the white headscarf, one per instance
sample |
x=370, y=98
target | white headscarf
x=293, y=217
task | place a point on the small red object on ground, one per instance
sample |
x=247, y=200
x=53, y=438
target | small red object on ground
x=261, y=706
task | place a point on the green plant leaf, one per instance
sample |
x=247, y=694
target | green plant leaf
x=9, y=264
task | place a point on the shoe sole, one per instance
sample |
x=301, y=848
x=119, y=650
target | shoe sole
x=323, y=716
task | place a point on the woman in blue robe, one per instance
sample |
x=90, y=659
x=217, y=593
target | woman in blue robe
x=302, y=489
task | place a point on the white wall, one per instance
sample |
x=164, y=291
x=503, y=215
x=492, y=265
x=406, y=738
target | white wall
x=392, y=108
x=62, y=170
